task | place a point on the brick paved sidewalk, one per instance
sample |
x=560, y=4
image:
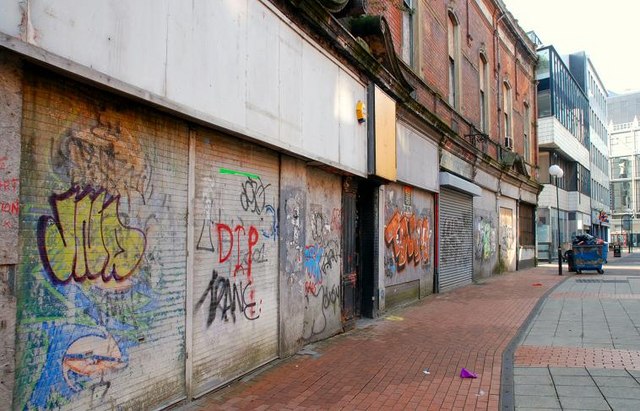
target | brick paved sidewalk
x=381, y=365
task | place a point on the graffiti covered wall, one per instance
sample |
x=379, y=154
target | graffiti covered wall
x=322, y=256
x=293, y=206
x=485, y=235
x=311, y=253
x=408, y=237
x=235, y=326
x=485, y=243
x=101, y=284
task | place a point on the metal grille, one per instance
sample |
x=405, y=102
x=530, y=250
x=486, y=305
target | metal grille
x=591, y=280
x=349, y=250
x=456, y=239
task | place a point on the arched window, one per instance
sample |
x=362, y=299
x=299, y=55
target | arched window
x=453, y=34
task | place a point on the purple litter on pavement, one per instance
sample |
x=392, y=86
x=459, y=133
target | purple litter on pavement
x=464, y=373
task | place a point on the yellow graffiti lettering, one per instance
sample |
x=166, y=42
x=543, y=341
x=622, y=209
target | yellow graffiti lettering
x=85, y=238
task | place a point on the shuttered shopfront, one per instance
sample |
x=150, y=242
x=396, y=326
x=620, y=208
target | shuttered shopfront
x=101, y=284
x=235, y=291
x=456, y=239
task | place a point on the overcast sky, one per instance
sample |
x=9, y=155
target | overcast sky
x=609, y=31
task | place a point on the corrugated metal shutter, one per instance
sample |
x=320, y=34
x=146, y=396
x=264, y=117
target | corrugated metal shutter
x=456, y=239
x=322, y=256
x=101, y=285
x=235, y=297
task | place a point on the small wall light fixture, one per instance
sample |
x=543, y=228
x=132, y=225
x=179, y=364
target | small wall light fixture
x=361, y=113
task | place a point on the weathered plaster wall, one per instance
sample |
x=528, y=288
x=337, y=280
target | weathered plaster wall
x=10, y=128
x=10, y=125
x=311, y=254
x=485, y=233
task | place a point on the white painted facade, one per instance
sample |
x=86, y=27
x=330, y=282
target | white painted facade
x=551, y=133
x=414, y=150
x=255, y=75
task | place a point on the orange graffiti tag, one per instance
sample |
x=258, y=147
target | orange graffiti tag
x=408, y=238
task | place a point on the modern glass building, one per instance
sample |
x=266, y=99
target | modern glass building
x=624, y=148
x=587, y=77
x=564, y=206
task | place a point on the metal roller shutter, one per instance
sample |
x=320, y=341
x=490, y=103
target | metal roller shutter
x=456, y=239
x=235, y=287
x=102, y=280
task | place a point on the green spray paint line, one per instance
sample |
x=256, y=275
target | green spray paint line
x=238, y=173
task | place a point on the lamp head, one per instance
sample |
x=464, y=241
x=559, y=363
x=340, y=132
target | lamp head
x=556, y=171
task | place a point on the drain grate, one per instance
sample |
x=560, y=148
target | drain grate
x=593, y=280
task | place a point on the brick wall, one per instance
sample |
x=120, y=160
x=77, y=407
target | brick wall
x=477, y=25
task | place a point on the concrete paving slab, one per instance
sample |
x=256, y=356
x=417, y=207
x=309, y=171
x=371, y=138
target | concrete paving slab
x=607, y=372
x=635, y=373
x=536, y=401
x=584, y=403
x=621, y=392
x=557, y=371
x=620, y=404
x=573, y=380
x=597, y=345
x=628, y=381
x=537, y=409
x=579, y=391
x=538, y=340
x=530, y=371
x=544, y=390
x=532, y=380
x=566, y=342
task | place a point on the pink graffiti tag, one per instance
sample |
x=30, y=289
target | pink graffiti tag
x=236, y=241
x=10, y=185
x=10, y=208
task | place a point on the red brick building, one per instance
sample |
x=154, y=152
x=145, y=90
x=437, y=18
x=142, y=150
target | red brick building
x=195, y=189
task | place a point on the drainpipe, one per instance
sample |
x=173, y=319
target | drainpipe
x=496, y=56
x=517, y=232
x=436, y=244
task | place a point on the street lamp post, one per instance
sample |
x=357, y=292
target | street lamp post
x=630, y=230
x=557, y=172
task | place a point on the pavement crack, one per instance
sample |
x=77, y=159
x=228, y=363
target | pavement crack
x=598, y=387
x=555, y=387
